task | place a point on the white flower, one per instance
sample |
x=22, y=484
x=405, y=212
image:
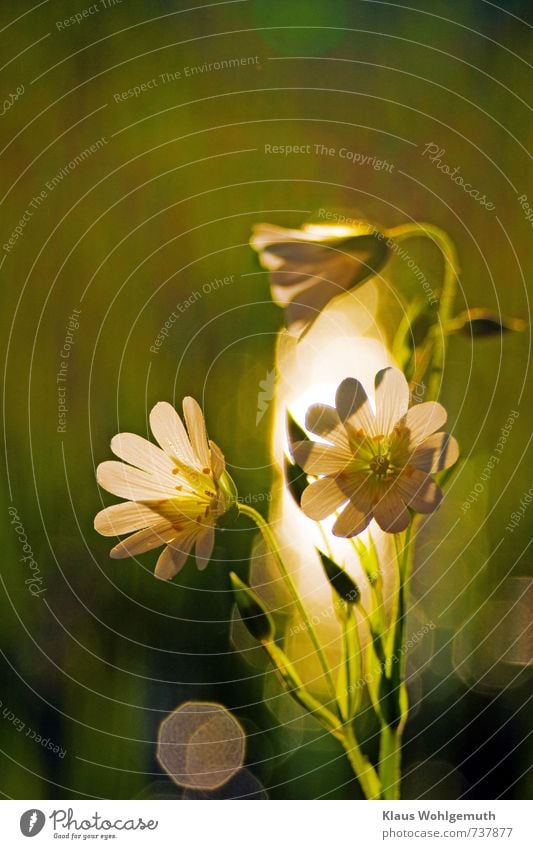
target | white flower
x=310, y=266
x=380, y=463
x=174, y=492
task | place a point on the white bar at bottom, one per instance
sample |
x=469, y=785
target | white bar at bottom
x=262, y=824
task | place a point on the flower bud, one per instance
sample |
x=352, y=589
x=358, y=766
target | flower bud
x=483, y=322
x=294, y=475
x=310, y=266
x=228, y=486
x=294, y=432
x=344, y=586
x=229, y=494
x=254, y=615
x=296, y=480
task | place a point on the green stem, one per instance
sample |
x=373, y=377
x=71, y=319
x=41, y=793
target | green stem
x=390, y=754
x=374, y=584
x=363, y=769
x=353, y=663
x=447, y=296
x=325, y=540
x=403, y=561
x=296, y=688
x=375, y=636
x=361, y=766
x=391, y=732
x=270, y=540
x=399, y=346
x=424, y=354
x=344, y=678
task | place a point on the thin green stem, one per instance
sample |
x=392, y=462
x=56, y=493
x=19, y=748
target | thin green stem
x=392, y=730
x=403, y=558
x=363, y=769
x=380, y=604
x=361, y=766
x=296, y=688
x=344, y=680
x=353, y=663
x=325, y=540
x=369, y=560
x=377, y=641
x=447, y=295
x=270, y=540
x=390, y=754
x=400, y=349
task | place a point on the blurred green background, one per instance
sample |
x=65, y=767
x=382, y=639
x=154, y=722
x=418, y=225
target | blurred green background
x=160, y=209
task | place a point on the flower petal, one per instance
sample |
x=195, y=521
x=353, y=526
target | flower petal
x=325, y=422
x=133, y=484
x=390, y=512
x=354, y=518
x=418, y=490
x=439, y=451
x=322, y=498
x=169, y=430
x=392, y=399
x=264, y=235
x=310, y=266
x=308, y=287
x=423, y=420
x=204, y=548
x=194, y=419
x=141, y=453
x=217, y=462
x=353, y=406
x=124, y=518
x=157, y=534
x=173, y=558
x=315, y=458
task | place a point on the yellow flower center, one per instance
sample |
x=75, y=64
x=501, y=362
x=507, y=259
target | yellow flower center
x=382, y=457
x=197, y=500
x=379, y=464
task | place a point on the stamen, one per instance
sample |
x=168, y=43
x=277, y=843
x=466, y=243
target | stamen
x=379, y=464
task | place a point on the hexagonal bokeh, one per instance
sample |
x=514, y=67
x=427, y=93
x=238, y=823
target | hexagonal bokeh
x=201, y=745
x=242, y=786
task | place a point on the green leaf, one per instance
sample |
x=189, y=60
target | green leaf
x=479, y=322
x=295, y=433
x=255, y=616
x=296, y=480
x=341, y=582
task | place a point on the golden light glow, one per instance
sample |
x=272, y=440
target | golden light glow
x=343, y=342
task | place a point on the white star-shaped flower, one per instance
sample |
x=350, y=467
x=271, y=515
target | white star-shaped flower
x=377, y=464
x=175, y=492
